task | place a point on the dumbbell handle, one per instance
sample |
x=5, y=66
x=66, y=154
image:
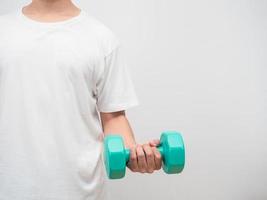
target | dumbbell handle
x=127, y=152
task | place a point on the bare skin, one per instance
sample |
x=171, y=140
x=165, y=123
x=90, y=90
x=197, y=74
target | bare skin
x=51, y=10
x=144, y=158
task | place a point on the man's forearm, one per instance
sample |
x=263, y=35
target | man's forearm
x=143, y=158
x=117, y=122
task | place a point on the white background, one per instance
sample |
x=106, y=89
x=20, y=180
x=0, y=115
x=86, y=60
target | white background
x=199, y=67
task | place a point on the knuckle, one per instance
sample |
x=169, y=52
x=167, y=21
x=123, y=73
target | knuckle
x=139, y=147
x=145, y=145
x=149, y=154
x=143, y=171
x=158, y=156
x=141, y=156
x=133, y=157
x=134, y=169
x=149, y=169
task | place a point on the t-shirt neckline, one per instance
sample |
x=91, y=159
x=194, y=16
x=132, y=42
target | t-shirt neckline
x=31, y=21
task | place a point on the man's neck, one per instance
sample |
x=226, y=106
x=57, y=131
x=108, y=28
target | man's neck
x=51, y=10
x=48, y=7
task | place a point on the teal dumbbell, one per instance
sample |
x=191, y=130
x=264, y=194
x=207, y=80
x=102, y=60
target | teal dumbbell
x=171, y=149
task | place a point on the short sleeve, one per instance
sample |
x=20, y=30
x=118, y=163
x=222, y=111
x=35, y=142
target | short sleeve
x=115, y=90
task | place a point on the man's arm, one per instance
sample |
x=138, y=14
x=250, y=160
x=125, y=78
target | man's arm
x=116, y=122
x=144, y=158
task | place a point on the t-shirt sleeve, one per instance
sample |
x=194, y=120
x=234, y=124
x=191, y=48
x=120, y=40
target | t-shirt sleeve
x=115, y=90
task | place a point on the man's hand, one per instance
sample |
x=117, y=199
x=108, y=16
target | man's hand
x=145, y=158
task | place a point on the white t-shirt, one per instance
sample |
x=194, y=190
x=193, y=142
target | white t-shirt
x=55, y=77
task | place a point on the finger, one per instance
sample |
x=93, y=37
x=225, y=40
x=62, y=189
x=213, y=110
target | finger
x=141, y=159
x=157, y=157
x=149, y=158
x=133, y=160
x=154, y=142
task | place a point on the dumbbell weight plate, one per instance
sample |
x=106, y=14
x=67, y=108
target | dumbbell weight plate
x=174, y=152
x=114, y=156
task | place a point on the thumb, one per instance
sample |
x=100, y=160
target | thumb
x=154, y=142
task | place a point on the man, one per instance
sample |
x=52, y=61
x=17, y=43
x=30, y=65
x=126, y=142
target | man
x=63, y=85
